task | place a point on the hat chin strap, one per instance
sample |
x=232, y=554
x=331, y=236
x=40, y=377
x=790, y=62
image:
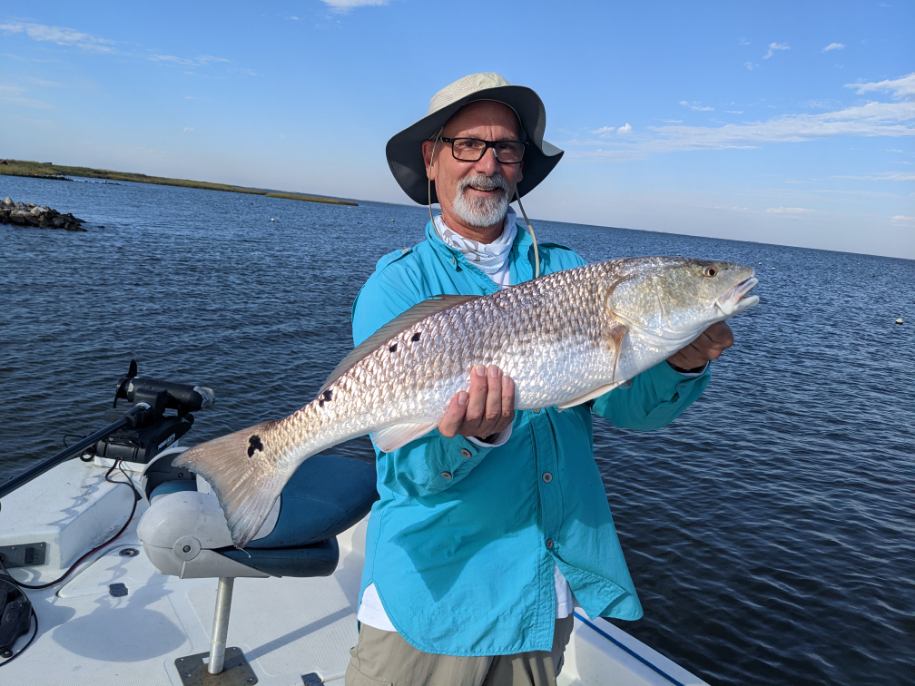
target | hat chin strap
x=530, y=230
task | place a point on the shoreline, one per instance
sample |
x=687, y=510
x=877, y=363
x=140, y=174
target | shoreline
x=59, y=172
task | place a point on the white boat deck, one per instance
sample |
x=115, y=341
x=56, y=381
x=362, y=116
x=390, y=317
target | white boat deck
x=286, y=627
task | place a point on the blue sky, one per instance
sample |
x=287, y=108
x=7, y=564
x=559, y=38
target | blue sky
x=777, y=122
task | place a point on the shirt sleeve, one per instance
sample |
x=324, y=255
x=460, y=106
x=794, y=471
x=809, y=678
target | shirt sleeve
x=652, y=399
x=432, y=463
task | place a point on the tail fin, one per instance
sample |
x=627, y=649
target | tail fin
x=244, y=470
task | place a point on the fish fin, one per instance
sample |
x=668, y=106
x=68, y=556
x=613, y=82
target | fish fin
x=242, y=469
x=615, y=341
x=596, y=393
x=393, y=437
x=400, y=323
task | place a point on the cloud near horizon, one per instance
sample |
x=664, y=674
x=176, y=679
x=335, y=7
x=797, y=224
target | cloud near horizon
x=870, y=119
x=833, y=46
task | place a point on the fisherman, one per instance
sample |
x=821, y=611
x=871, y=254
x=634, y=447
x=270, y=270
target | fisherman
x=492, y=528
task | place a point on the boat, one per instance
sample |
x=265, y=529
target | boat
x=118, y=568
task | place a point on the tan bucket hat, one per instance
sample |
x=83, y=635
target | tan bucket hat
x=404, y=150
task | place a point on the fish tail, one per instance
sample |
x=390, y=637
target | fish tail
x=246, y=473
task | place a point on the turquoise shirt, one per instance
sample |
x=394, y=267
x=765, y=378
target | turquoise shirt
x=462, y=542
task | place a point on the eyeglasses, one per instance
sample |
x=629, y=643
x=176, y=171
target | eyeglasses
x=473, y=149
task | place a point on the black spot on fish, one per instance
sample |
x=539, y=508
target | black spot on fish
x=328, y=395
x=254, y=445
x=415, y=336
x=393, y=348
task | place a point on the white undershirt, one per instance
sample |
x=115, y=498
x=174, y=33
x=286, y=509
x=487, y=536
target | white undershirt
x=371, y=611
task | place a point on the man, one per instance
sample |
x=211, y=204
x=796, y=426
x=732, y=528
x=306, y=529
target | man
x=486, y=527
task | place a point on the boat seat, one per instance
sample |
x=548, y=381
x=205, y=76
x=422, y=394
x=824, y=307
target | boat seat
x=184, y=532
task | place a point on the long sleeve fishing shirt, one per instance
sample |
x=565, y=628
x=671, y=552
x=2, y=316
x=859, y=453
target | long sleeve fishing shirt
x=461, y=545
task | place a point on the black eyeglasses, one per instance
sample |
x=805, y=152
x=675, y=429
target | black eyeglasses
x=473, y=149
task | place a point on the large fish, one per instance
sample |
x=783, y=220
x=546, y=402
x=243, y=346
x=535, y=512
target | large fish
x=564, y=339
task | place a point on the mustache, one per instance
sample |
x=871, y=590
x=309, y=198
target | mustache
x=483, y=182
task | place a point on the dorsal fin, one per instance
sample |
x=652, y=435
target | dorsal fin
x=400, y=323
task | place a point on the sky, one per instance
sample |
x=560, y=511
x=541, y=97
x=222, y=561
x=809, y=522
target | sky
x=776, y=122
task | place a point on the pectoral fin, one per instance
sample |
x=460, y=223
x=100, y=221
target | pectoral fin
x=393, y=437
x=614, y=341
x=596, y=393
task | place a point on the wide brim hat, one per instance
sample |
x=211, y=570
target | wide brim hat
x=404, y=150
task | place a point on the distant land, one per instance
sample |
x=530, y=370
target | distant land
x=48, y=170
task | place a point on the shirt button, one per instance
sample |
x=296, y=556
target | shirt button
x=549, y=544
x=547, y=477
x=446, y=475
x=466, y=454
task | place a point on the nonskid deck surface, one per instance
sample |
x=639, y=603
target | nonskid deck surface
x=286, y=627
x=118, y=620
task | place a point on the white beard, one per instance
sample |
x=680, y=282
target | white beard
x=486, y=211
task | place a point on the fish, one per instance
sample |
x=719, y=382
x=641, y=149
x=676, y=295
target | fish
x=564, y=339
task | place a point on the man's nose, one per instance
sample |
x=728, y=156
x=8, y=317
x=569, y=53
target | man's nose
x=488, y=163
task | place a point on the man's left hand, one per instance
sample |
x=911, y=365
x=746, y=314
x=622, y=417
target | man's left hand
x=709, y=346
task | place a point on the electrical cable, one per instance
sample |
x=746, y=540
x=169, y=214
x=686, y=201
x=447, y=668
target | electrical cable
x=19, y=585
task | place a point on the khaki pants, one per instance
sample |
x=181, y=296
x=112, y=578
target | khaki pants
x=383, y=658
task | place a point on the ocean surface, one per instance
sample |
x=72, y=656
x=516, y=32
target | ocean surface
x=770, y=530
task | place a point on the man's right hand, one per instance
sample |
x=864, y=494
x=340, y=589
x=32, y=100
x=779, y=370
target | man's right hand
x=486, y=409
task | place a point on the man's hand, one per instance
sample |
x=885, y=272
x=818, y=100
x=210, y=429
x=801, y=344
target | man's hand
x=709, y=346
x=487, y=408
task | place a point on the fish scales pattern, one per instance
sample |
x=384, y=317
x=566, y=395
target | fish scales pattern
x=549, y=335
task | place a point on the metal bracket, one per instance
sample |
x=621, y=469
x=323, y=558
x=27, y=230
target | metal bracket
x=235, y=672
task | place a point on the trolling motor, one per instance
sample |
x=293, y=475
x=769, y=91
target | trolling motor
x=152, y=430
x=142, y=432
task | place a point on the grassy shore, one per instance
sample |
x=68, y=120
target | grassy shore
x=47, y=170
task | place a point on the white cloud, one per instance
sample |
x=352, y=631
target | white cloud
x=774, y=47
x=749, y=66
x=696, y=107
x=606, y=131
x=902, y=87
x=201, y=61
x=834, y=46
x=884, y=176
x=903, y=219
x=188, y=129
x=59, y=35
x=790, y=211
x=889, y=118
x=347, y=5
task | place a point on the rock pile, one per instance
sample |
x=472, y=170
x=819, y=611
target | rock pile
x=27, y=214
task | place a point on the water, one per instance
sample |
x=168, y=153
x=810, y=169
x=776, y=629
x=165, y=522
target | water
x=769, y=530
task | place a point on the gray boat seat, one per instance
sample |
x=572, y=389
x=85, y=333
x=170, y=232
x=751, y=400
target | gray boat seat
x=184, y=532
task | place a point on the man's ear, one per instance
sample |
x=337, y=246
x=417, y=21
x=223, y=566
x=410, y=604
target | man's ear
x=427, y=159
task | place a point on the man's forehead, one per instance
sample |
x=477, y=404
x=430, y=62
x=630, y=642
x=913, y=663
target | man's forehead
x=482, y=113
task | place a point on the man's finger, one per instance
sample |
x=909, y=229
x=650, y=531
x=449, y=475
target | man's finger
x=720, y=334
x=508, y=397
x=454, y=415
x=493, y=412
x=476, y=402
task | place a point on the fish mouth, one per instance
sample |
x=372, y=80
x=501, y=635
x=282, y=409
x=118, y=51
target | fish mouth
x=736, y=299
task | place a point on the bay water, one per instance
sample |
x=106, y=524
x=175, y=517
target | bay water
x=770, y=529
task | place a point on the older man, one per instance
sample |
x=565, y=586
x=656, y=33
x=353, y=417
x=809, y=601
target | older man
x=489, y=530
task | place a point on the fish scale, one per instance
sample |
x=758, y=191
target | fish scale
x=563, y=339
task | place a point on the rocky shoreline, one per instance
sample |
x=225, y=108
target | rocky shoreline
x=27, y=214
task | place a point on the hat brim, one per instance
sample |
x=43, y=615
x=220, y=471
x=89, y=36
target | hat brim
x=404, y=150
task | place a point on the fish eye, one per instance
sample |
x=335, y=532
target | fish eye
x=709, y=271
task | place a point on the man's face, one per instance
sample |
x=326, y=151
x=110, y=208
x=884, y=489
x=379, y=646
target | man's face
x=474, y=196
